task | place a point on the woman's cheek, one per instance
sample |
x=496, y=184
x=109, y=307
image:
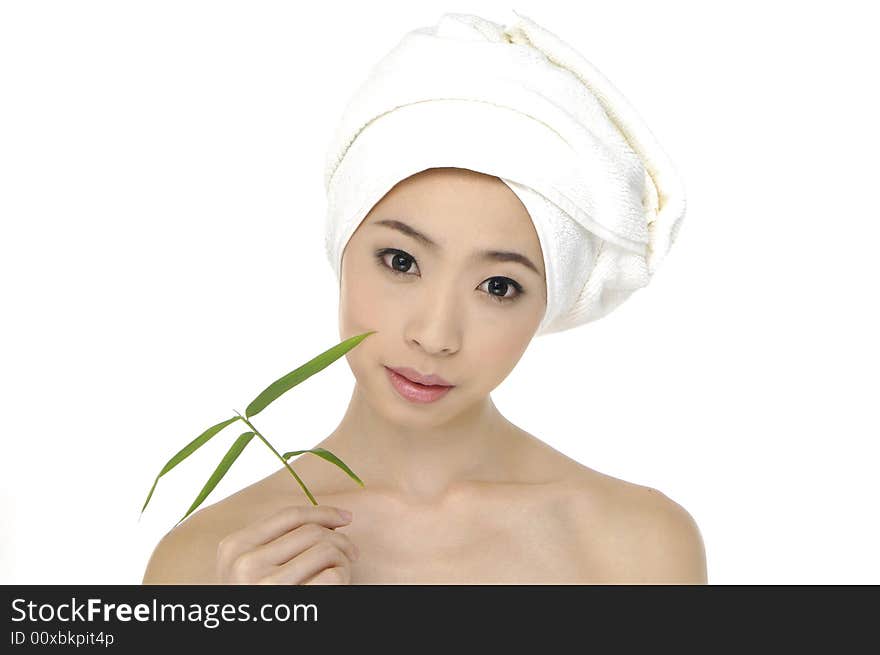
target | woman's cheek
x=501, y=349
x=364, y=302
x=381, y=305
x=360, y=312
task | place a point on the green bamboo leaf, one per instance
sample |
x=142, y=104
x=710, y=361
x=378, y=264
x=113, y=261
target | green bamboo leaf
x=330, y=457
x=230, y=456
x=188, y=450
x=287, y=382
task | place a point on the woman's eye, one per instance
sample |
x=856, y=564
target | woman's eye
x=398, y=262
x=499, y=289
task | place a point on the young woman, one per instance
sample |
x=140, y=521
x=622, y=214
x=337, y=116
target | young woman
x=456, y=269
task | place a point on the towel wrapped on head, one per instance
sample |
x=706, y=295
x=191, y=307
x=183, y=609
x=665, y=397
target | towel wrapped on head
x=517, y=103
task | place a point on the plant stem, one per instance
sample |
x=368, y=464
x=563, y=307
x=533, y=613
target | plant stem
x=277, y=454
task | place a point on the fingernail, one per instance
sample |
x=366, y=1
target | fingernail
x=346, y=515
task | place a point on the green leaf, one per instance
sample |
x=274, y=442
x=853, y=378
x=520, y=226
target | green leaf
x=287, y=382
x=230, y=456
x=188, y=450
x=330, y=457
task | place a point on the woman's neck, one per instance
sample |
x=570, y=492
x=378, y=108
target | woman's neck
x=422, y=462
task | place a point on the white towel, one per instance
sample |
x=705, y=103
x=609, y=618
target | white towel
x=518, y=103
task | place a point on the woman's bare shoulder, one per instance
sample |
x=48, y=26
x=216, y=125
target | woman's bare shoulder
x=187, y=554
x=641, y=534
x=182, y=556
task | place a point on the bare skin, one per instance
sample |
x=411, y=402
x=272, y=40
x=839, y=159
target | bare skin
x=454, y=492
x=554, y=522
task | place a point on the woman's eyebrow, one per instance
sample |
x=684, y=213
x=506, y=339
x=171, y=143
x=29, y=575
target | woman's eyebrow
x=496, y=255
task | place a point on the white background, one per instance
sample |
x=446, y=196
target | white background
x=162, y=261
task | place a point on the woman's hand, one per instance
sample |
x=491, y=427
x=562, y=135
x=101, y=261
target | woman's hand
x=297, y=545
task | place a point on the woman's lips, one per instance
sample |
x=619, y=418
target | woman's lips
x=414, y=376
x=415, y=392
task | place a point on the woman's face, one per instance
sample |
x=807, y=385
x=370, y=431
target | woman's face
x=416, y=271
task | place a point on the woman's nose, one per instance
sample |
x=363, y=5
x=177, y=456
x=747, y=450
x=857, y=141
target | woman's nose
x=435, y=323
